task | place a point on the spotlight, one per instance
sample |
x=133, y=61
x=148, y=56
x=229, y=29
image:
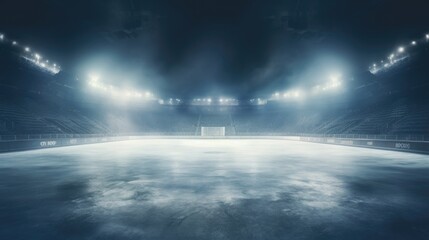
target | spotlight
x=94, y=77
x=296, y=94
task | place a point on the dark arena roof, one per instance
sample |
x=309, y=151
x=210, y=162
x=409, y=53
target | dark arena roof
x=203, y=119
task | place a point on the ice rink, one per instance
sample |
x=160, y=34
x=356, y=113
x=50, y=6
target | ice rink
x=213, y=189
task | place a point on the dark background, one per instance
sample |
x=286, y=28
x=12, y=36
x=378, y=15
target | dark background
x=202, y=47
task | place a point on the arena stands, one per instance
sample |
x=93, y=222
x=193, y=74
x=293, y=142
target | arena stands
x=33, y=102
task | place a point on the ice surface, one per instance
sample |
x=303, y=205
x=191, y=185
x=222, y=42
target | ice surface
x=213, y=189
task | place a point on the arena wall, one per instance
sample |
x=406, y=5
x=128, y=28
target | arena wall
x=21, y=145
x=397, y=145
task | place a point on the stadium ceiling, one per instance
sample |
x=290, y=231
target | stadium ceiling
x=238, y=47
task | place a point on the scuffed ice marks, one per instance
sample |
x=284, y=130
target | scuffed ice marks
x=179, y=189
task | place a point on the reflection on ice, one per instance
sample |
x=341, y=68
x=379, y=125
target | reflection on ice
x=222, y=188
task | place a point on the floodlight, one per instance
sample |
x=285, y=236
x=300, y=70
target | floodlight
x=94, y=77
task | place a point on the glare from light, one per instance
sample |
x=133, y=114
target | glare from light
x=14, y=43
x=427, y=36
x=38, y=57
x=94, y=77
x=401, y=49
x=1, y=36
x=413, y=43
x=27, y=49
